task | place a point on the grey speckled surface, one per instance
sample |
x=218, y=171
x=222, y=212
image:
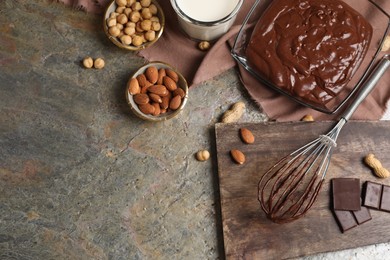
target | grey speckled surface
x=83, y=178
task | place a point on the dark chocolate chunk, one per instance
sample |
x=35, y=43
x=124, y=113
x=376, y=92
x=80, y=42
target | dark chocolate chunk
x=345, y=220
x=385, y=201
x=372, y=197
x=346, y=194
x=362, y=215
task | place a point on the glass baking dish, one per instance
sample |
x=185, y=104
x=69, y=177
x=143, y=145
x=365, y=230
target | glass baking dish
x=372, y=12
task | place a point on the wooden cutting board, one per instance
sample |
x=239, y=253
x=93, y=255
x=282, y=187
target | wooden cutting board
x=248, y=234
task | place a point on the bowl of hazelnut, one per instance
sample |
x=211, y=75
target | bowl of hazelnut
x=134, y=24
x=157, y=92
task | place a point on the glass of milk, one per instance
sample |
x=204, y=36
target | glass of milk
x=206, y=20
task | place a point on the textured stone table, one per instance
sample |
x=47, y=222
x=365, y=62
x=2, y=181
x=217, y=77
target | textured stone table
x=80, y=176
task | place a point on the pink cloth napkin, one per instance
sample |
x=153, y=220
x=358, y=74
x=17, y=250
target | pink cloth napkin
x=198, y=66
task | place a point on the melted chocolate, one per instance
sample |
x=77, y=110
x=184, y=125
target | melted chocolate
x=310, y=48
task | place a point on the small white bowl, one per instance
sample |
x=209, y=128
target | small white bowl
x=182, y=83
x=112, y=7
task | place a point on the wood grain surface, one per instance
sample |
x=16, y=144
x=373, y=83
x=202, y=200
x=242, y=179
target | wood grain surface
x=248, y=234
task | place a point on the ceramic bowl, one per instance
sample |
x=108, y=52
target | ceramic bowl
x=113, y=7
x=181, y=83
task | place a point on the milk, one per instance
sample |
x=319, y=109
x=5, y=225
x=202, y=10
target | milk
x=206, y=20
x=207, y=10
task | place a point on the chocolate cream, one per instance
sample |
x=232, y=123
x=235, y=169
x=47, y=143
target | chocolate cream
x=311, y=48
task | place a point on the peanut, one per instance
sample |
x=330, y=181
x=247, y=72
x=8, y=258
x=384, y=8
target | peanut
x=376, y=166
x=234, y=113
x=386, y=44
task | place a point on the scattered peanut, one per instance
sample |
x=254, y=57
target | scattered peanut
x=386, y=44
x=307, y=118
x=202, y=155
x=204, y=45
x=135, y=18
x=376, y=166
x=99, y=63
x=234, y=113
x=88, y=62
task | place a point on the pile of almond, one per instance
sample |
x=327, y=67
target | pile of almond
x=155, y=91
x=134, y=22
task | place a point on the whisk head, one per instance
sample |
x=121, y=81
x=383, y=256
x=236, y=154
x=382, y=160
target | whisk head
x=290, y=187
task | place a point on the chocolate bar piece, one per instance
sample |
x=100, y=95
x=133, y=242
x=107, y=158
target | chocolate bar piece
x=385, y=200
x=372, y=196
x=346, y=194
x=363, y=215
x=345, y=219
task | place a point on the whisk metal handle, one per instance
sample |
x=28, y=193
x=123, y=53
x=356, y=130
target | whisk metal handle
x=368, y=85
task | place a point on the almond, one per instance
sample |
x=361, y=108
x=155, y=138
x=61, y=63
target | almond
x=165, y=102
x=247, y=136
x=147, y=108
x=237, y=156
x=173, y=75
x=151, y=74
x=169, y=83
x=180, y=92
x=175, y=102
x=134, y=87
x=156, y=98
x=161, y=74
x=160, y=90
x=141, y=99
x=142, y=80
x=157, y=109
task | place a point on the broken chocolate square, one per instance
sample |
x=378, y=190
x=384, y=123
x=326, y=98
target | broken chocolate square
x=385, y=200
x=363, y=215
x=345, y=220
x=372, y=197
x=346, y=194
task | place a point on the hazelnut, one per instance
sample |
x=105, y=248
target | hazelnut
x=204, y=45
x=146, y=25
x=120, y=2
x=150, y=35
x=135, y=16
x=122, y=19
x=156, y=26
x=136, y=6
x=307, y=118
x=145, y=3
x=146, y=13
x=126, y=39
x=202, y=155
x=88, y=62
x=111, y=22
x=129, y=30
x=153, y=9
x=98, y=63
x=120, y=9
x=137, y=40
x=114, y=31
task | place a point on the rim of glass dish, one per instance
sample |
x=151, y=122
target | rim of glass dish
x=242, y=60
x=202, y=23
